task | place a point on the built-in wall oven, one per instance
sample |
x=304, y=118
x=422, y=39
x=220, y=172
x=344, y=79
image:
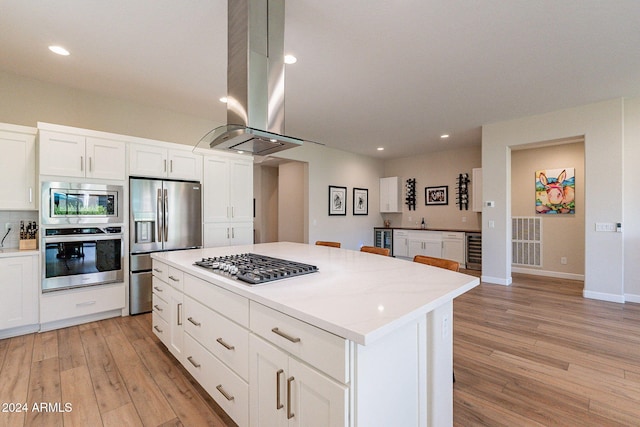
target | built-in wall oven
x=82, y=239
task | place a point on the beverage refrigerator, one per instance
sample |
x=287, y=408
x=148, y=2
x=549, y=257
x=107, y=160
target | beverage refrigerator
x=383, y=238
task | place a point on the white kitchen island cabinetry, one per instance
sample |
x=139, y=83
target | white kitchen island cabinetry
x=366, y=340
x=18, y=293
x=18, y=168
x=164, y=160
x=168, y=300
x=81, y=156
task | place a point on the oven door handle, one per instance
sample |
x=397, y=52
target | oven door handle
x=166, y=215
x=84, y=238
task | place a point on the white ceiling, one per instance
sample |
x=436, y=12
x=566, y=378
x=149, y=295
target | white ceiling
x=391, y=73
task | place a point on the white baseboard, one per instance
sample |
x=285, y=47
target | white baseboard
x=603, y=296
x=632, y=298
x=496, y=280
x=547, y=273
x=21, y=330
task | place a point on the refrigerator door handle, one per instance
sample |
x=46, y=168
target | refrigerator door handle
x=159, y=215
x=166, y=215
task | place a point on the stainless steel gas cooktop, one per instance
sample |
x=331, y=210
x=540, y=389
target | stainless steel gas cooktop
x=255, y=269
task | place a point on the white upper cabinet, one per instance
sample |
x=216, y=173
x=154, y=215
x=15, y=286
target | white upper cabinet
x=161, y=162
x=81, y=156
x=18, y=168
x=390, y=195
x=228, y=189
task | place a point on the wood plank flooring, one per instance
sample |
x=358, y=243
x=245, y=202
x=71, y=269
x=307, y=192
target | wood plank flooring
x=538, y=354
x=532, y=354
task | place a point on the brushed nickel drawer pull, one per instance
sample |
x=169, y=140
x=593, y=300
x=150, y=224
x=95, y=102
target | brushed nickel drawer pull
x=174, y=279
x=158, y=289
x=224, y=344
x=158, y=329
x=190, y=359
x=279, y=404
x=190, y=319
x=284, y=335
x=224, y=393
x=289, y=413
x=84, y=304
x=157, y=307
x=179, y=314
x=157, y=270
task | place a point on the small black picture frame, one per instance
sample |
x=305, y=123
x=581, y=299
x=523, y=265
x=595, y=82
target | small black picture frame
x=436, y=195
x=360, y=201
x=337, y=200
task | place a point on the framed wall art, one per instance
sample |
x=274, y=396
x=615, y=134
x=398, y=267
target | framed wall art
x=555, y=191
x=337, y=200
x=436, y=195
x=360, y=201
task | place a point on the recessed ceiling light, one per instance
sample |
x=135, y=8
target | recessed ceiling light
x=224, y=99
x=240, y=152
x=290, y=59
x=380, y=148
x=273, y=140
x=445, y=136
x=59, y=50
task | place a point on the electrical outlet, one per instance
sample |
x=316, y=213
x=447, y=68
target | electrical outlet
x=563, y=260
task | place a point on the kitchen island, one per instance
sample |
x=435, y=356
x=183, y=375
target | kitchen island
x=366, y=340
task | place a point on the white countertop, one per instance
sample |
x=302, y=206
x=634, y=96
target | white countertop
x=355, y=295
x=13, y=252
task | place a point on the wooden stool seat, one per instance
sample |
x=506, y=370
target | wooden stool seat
x=375, y=250
x=331, y=244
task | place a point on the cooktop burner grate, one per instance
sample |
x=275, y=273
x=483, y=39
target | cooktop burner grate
x=255, y=269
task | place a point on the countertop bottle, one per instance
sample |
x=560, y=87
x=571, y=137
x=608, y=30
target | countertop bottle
x=423, y=225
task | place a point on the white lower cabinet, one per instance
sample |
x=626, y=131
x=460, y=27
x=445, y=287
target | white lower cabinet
x=168, y=307
x=427, y=243
x=18, y=291
x=439, y=244
x=286, y=392
x=97, y=301
x=453, y=247
x=227, y=234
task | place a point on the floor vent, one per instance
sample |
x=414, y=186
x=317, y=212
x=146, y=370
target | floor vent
x=526, y=241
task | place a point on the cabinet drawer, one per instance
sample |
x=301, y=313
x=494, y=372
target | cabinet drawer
x=68, y=304
x=321, y=349
x=160, y=328
x=224, y=302
x=160, y=270
x=228, y=341
x=175, y=278
x=160, y=307
x=452, y=235
x=160, y=288
x=226, y=388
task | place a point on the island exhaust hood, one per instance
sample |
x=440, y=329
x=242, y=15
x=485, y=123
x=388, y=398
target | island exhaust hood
x=255, y=81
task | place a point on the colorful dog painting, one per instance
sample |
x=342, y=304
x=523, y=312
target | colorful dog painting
x=555, y=191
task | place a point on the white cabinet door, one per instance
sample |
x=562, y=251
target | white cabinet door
x=147, y=161
x=176, y=326
x=227, y=234
x=62, y=154
x=400, y=244
x=216, y=188
x=241, y=233
x=184, y=165
x=105, y=159
x=268, y=379
x=241, y=190
x=454, y=249
x=425, y=247
x=390, y=194
x=18, y=291
x=18, y=170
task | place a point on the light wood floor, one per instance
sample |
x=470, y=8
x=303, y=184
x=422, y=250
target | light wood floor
x=533, y=354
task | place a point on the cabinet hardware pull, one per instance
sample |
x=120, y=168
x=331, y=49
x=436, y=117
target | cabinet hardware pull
x=30, y=195
x=174, y=279
x=171, y=166
x=165, y=165
x=190, y=319
x=233, y=212
x=190, y=359
x=157, y=270
x=179, y=314
x=90, y=167
x=157, y=307
x=82, y=304
x=82, y=163
x=233, y=233
x=158, y=289
x=289, y=413
x=224, y=344
x=284, y=335
x=279, y=404
x=224, y=393
x=157, y=329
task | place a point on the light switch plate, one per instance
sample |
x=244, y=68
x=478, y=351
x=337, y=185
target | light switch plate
x=605, y=226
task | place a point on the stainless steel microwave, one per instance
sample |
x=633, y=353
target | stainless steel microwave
x=80, y=203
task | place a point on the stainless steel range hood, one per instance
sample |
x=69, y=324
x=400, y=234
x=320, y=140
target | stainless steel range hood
x=255, y=81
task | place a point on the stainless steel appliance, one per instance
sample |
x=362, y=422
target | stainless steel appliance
x=165, y=215
x=80, y=203
x=255, y=269
x=76, y=257
x=383, y=238
x=474, y=251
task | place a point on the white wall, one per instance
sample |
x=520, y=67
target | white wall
x=291, y=207
x=631, y=183
x=602, y=127
x=328, y=166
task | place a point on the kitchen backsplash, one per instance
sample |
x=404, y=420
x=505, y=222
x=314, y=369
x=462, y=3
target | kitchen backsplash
x=13, y=218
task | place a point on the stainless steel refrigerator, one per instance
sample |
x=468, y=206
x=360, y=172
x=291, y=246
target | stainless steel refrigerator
x=165, y=215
